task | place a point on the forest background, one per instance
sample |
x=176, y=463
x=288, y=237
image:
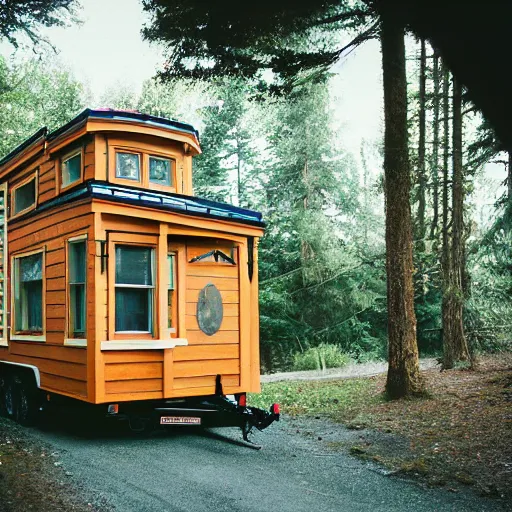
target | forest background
x=322, y=259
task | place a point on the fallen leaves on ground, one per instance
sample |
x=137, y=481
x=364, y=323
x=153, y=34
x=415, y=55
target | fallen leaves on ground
x=460, y=431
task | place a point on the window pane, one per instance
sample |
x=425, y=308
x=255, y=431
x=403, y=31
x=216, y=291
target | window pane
x=31, y=268
x=128, y=166
x=28, y=294
x=77, y=262
x=25, y=196
x=77, y=310
x=160, y=171
x=170, y=261
x=71, y=170
x=133, y=309
x=133, y=265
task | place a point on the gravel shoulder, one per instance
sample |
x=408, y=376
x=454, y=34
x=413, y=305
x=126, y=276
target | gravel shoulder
x=346, y=372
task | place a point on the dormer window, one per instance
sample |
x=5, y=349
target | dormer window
x=128, y=166
x=160, y=171
x=71, y=168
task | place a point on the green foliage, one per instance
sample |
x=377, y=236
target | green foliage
x=319, y=358
x=35, y=94
x=24, y=16
x=214, y=39
x=341, y=400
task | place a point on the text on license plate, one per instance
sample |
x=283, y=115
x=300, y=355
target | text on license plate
x=179, y=420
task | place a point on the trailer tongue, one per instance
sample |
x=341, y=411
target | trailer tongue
x=208, y=411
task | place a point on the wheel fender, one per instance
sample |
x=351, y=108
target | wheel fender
x=35, y=370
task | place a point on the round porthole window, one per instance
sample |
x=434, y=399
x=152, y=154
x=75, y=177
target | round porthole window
x=209, y=309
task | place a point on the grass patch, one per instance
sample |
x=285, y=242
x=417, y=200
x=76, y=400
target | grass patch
x=340, y=400
x=319, y=358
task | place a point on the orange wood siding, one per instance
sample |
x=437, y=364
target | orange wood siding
x=137, y=372
x=196, y=365
x=63, y=369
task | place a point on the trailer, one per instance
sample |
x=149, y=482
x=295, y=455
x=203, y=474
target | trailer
x=119, y=288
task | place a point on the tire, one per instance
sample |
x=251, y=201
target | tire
x=26, y=401
x=7, y=397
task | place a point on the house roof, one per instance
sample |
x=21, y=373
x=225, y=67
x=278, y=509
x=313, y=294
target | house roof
x=177, y=203
x=102, y=114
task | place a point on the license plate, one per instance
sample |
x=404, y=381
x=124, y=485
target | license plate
x=179, y=420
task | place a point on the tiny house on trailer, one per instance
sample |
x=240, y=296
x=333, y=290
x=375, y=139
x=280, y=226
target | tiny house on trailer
x=117, y=286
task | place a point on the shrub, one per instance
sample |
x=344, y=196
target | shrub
x=319, y=358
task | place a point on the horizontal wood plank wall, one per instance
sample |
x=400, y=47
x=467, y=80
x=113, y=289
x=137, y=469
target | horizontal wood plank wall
x=63, y=369
x=47, y=186
x=89, y=160
x=135, y=372
x=196, y=365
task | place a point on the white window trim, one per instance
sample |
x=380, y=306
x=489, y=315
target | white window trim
x=143, y=344
x=75, y=342
x=27, y=337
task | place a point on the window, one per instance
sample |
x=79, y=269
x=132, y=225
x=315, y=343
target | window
x=77, y=265
x=128, y=166
x=28, y=294
x=24, y=196
x=134, y=289
x=171, y=291
x=160, y=171
x=71, y=168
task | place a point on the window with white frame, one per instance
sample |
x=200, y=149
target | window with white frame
x=28, y=294
x=77, y=265
x=71, y=168
x=134, y=289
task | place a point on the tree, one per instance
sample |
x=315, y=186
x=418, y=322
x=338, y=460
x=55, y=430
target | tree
x=214, y=39
x=455, y=346
x=24, y=16
x=403, y=374
x=316, y=287
x=36, y=93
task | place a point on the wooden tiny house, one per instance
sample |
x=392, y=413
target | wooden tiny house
x=118, y=284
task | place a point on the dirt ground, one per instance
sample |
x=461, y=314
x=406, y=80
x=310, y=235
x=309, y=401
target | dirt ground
x=461, y=432
x=32, y=477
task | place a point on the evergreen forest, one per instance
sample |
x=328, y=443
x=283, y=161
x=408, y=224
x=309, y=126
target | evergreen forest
x=323, y=258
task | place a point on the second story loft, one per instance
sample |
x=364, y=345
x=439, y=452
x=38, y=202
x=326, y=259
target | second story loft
x=123, y=155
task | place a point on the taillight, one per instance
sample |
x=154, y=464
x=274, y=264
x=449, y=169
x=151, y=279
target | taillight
x=113, y=409
x=242, y=400
x=275, y=409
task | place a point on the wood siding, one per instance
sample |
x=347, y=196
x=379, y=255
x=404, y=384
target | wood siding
x=196, y=365
x=63, y=368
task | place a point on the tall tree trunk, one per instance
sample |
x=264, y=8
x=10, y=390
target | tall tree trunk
x=435, y=150
x=422, y=179
x=445, y=254
x=403, y=375
x=455, y=346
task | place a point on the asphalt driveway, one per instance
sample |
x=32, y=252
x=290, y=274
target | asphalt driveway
x=193, y=470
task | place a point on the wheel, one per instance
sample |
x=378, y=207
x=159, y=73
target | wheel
x=7, y=396
x=26, y=401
